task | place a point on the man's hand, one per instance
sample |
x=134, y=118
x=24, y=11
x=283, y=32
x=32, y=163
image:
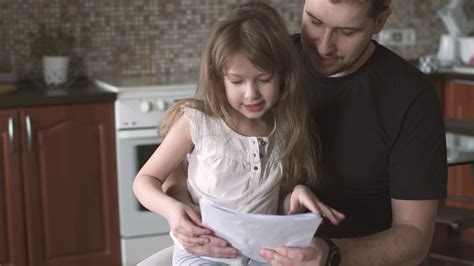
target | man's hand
x=195, y=239
x=215, y=247
x=187, y=228
x=313, y=255
x=185, y=224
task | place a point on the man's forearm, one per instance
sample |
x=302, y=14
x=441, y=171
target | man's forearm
x=175, y=185
x=400, y=245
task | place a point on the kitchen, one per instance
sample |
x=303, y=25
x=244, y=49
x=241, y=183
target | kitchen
x=151, y=45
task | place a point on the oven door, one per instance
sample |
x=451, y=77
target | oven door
x=134, y=147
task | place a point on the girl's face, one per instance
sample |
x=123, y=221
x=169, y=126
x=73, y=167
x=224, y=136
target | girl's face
x=250, y=91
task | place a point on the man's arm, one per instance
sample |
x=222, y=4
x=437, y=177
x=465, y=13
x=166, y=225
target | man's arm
x=406, y=243
x=175, y=186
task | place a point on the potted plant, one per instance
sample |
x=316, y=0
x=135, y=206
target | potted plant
x=54, y=47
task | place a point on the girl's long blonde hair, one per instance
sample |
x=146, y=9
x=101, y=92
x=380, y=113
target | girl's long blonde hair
x=257, y=31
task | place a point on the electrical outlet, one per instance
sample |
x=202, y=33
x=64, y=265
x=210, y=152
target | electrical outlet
x=397, y=37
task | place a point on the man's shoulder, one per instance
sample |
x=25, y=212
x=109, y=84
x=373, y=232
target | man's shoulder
x=386, y=59
x=396, y=70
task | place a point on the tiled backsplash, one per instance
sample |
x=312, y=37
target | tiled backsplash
x=421, y=16
x=125, y=38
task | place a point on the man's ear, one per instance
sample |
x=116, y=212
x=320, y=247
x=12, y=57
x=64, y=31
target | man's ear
x=381, y=19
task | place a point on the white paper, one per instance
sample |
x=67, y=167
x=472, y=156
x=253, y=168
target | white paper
x=250, y=232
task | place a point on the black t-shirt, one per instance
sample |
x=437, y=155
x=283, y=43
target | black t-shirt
x=382, y=136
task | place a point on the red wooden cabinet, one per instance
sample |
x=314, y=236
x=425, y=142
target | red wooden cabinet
x=459, y=99
x=67, y=183
x=459, y=104
x=12, y=218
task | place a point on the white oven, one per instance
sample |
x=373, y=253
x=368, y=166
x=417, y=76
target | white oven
x=142, y=232
x=137, y=113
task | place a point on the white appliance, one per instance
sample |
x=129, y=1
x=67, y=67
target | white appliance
x=466, y=50
x=138, y=110
x=448, y=50
x=458, y=18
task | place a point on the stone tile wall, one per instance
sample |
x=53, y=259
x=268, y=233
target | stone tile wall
x=420, y=15
x=134, y=38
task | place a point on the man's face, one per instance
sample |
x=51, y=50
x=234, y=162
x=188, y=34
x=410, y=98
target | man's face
x=336, y=37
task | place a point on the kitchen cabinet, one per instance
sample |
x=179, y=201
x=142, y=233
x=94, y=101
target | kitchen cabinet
x=12, y=231
x=459, y=99
x=58, y=186
x=459, y=104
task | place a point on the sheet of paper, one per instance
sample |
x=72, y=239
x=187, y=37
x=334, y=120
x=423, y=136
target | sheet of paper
x=250, y=232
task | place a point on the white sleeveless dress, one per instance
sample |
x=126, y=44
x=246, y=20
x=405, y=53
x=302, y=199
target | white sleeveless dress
x=243, y=173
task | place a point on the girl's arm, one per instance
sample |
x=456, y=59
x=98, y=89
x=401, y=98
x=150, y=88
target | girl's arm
x=147, y=185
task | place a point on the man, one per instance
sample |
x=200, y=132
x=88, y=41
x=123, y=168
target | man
x=382, y=138
x=383, y=161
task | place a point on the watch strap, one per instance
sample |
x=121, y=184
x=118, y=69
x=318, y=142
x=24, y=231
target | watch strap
x=334, y=254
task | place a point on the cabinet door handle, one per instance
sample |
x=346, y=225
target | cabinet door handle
x=29, y=133
x=11, y=136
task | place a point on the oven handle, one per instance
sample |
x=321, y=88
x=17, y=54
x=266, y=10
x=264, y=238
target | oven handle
x=11, y=134
x=137, y=133
x=29, y=132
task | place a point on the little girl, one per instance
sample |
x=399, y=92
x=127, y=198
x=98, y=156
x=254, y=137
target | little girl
x=246, y=140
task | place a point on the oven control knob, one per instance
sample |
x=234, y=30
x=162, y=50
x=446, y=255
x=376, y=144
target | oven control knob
x=162, y=105
x=146, y=106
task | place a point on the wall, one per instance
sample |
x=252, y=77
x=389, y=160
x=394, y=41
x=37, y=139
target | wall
x=420, y=15
x=121, y=38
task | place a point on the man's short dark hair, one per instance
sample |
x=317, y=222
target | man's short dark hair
x=377, y=6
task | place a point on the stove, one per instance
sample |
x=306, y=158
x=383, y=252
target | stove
x=138, y=110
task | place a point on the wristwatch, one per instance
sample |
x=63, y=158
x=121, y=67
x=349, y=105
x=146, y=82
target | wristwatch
x=334, y=255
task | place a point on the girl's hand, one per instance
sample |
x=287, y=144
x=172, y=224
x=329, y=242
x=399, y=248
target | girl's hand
x=303, y=198
x=185, y=223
